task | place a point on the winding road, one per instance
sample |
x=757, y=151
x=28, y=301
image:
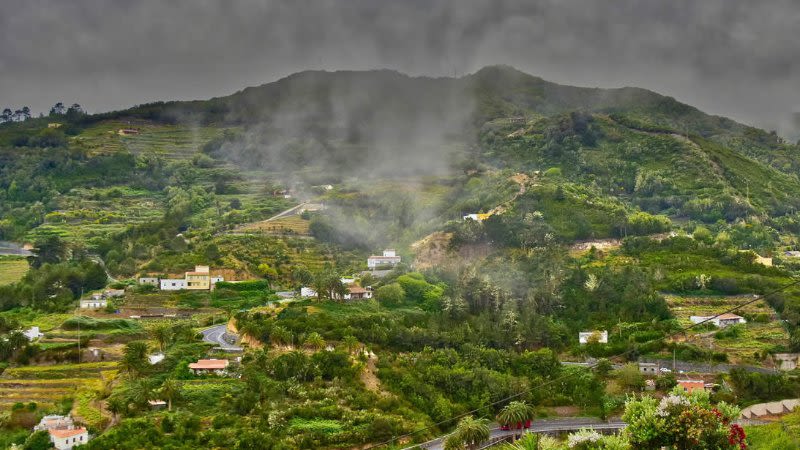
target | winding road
x=216, y=335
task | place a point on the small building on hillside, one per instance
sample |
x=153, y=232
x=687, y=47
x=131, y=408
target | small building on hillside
x=357, y=293
x=477, y=217
x=199, y=279
x=307, y=292
x=174, y=284
x=127, y=131
x=650, y=369
x=599, y=337
x=216, y=279
x=152, y=281
x=721, y=321
x=692, y=385
x=388, y=259
x=94, y=303
x=209, y=366
x=54, y=421
x=65, y=439
x=787, y=361
x=33, y=333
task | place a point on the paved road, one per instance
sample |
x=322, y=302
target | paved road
x=683, y=366
x=542, y=426
x=288, y=212
x=215, y=335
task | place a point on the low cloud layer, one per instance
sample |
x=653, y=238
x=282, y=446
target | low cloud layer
x=731, y=57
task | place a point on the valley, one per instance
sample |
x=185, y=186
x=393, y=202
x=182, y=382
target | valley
x=203, y=273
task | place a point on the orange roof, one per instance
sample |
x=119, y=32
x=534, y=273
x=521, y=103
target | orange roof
x=357, y=290
x=210, y=364
x=61, y=434
x=698, y=382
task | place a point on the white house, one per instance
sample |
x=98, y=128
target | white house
x=389, y=258
x=721, y=321
x=585, y=337
x=479, y=217
x=33, y=333
x=357, y=293
x=114, y=293
x=172, y=284
x=65, y=439
x=216, y=279
x=152, y=281
x=307, y=292
x=94, y=302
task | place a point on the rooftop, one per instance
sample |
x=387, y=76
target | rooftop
x=58, y=433
x=210, y=364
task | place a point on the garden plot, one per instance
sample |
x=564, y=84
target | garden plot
x=742, y=343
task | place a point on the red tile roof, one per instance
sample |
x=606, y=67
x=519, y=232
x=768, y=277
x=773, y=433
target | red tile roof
x=61, y=434
x=357, y=290
x=209, y=364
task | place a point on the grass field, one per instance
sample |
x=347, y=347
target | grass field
x=12, y=269
x=749, y=339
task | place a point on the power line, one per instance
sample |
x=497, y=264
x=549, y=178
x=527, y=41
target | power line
x=590, y=366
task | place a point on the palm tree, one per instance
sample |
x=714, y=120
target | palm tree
x=528, y=442
x=170, y=390
x=314, y=341
x=469, y=433
x=162, y=334
x=140, y=391
x=515, y=414
x=134, y=358
x=350, y=343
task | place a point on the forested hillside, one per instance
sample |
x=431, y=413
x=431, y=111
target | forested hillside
x=524, y=212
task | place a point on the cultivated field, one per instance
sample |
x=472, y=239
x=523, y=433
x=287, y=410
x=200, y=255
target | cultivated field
x=742, y=343
x=12, y=269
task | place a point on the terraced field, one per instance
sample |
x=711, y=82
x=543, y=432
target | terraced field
x=170, y=141
x=763, y=332
x=12, y=269
x=49, y=384
x=285, y=225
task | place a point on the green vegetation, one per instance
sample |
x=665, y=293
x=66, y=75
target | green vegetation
x=12, y=269
x=618, y=210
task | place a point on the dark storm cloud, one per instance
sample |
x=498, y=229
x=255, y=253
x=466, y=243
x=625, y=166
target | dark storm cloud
x=733, y=57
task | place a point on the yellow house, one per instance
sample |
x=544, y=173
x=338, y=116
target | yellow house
x=200, y=279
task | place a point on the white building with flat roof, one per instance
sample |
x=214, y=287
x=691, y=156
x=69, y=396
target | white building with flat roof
x=172, y=284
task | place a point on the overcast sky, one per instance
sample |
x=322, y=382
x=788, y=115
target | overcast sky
x=739, y=58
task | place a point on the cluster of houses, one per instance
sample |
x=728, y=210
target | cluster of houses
x=200, y=279
x=63, y=433
x=101, y=300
